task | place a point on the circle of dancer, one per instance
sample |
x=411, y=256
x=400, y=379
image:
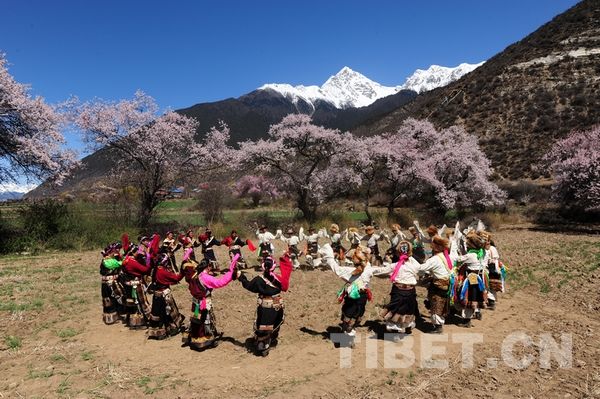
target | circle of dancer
x=461, y=270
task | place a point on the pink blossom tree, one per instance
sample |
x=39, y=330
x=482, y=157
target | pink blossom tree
x=155, y=150
x=303, y=158
x=257, y=188
x=398, y=164
x=575, y=163
x=463, y=171
x=30, y=137
x=445, y=167
x=368, y=165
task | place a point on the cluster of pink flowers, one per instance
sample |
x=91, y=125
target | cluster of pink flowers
x=575, y=163
x=30, y=138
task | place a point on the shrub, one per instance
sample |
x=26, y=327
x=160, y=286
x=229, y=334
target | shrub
x=43, y=219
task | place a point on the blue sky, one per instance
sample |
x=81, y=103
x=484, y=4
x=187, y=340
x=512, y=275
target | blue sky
x=187, y=52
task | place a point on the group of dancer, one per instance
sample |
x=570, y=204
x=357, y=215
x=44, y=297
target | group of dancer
x=462, y=272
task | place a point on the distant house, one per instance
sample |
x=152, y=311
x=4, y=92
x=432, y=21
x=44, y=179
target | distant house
x=171, y=192
x=176, y=192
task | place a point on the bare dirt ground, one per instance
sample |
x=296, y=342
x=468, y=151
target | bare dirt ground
x=54, y=343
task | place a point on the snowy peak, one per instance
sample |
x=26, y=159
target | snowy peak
x=436, y=76
x=351, y=89
x=346, y=89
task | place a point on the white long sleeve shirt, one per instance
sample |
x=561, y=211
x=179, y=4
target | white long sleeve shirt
x=436, y=266
x=408, y=273
x=492, y=256
x=372, y=239
x=265, y=237
x=336, y=238
x=396, y=238
x=291, y=240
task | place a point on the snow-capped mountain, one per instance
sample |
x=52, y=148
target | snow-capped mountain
x=436, y=76
x=346, y=89
x=11, y=191
x=350, y=89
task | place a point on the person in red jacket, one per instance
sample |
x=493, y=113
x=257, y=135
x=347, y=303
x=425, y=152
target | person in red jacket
x=235, y=244
x=208, y=241
x=132, y=277
x=165, y=319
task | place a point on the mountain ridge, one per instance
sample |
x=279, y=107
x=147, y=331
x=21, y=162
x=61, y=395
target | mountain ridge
x=351, y=89
x=522, y=99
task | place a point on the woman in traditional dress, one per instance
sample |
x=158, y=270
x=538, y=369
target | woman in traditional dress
x=133, y=273
x=440, y=270
x=165, y=319
x=400, y=313
x=235, y=244
x=112, y=293
x=397, y=236
x=495, y=270
x=371, y=239
x=356, y=292
x=202, y=331
x=292, y=240
x=269, y=313
x=471, y=290
x=170, y=246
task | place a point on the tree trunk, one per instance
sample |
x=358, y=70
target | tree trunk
x=255, y=200
x=147, y=204
x=390, y=207
x=310, y=214
x=367, y=212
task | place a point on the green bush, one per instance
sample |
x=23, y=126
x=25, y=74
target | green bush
x=43, y=219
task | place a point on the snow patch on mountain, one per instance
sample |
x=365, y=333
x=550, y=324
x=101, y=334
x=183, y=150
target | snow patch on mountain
x=346, y=89
x=436, y=76
x=351, y=89
x=13, y=191
x=16, y=188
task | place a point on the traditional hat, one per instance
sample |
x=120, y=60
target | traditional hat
x=432, y=230
x=360, y=259
x=485, y=235
x=440, y=242
x=474, y=240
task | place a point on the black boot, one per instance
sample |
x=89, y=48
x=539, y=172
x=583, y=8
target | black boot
x=437, y=329
x=465, y=323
